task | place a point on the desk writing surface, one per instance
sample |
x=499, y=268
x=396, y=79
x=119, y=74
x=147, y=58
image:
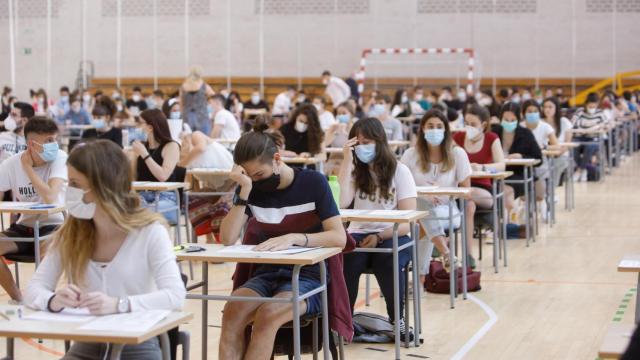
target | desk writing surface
x=212, y=254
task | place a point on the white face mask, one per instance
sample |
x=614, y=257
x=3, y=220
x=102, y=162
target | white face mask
x=404, y=99
x=591, y=111
x=135, y=98
x=78, y=208
x=472, y=132
x=462, y=96
x=301, y=127
x=10, y=123
x=255, y=99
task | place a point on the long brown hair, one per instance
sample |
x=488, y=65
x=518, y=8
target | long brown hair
x=383, y=165
x=315, y=135
x=103, y=163
x=156, y=119
x=446, y=147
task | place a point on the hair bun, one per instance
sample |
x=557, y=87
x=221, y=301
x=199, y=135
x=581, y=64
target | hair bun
x=260, y=127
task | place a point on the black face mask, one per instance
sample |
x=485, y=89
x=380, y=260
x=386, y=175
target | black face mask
x=269, y=184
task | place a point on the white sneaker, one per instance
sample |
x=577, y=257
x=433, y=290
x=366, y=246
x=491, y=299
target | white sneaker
x=576, y=175
x=583, y=176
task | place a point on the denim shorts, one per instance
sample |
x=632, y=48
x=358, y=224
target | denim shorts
x=270, y=283
x=167, y=200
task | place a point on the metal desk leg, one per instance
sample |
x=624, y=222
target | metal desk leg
x=36, y=241
x=205, y=308
x=601, y=157
x=452, y=263
x=116, y=351
x=10, y=348
x=296, y=311
x=527, y=205
x=463, y=244
x=396, y=291
x=325, y=312
x=552, y=187
x=505, y=217
x=495, y=225
x=165, y=346
x=533, y=202
x=178, y=233
x=416, y=285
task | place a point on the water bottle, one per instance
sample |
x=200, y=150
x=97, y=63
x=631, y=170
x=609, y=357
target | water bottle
x=334, y=185
x=125, y=138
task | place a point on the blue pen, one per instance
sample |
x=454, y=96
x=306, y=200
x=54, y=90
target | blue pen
x=42, y=206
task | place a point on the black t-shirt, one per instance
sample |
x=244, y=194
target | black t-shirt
x=141, y=105
x=293, y=140
x=143, y=172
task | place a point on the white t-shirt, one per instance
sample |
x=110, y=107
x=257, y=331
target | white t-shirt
x=230, y=127
x=393, y=128
x=11, y=144
x=151, y=284
x=326, y=120
x=435, y=177
x=338, y=90
x=282, y=104
x=541, y=133
x=565, y=124
x=14, y=178
x=402, y=187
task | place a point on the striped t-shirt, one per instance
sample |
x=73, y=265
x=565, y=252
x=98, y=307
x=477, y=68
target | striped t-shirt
x=584, y=120
x=300, y=208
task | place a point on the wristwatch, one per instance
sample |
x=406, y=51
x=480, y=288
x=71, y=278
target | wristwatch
x=237, y=201
x=123, y=305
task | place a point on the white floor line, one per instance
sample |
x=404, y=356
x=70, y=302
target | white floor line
x=493, y=318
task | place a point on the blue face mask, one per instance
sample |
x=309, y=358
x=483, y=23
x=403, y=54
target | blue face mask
x=378, y=109
x=137, y=134
x=509, y=126
x=98, y=123
x=434, y=136
x=532, y=118
x=343, y=118
x=209, y=109
x=366, y=152
x=175, y=115
x=49, y=151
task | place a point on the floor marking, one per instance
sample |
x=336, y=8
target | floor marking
x=493, y=318
x=376, y=349
x=555, y=282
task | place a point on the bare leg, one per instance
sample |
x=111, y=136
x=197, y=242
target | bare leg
x=509, y=199
x=6, y=278
x=481, y=197
x=235, y=318
x=540, y=189
x=268, y=319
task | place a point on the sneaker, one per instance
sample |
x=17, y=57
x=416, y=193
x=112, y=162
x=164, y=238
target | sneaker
x=576, y=175
x=471, y=262
x=583, y=176
x=404, y=333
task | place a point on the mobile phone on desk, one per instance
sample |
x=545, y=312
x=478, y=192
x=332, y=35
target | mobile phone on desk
x=194, y=248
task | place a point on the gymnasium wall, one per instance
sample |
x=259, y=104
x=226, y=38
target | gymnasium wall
x=512, y=38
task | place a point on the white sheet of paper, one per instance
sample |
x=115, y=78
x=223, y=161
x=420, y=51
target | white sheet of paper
x=630, y=263
x=129, y=322
x=390, y=212
x=66, y=315
x=425, y=188
x=248, y=249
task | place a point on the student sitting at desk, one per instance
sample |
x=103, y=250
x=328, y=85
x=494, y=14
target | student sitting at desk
x=483, y=149
x=303, y=134
x=99, y=248
x=588, y=118
x=287, y=214
x=518, y=143
x=373, y=180
x=36, y=175
x=338, y=134
x=107, y=125
x=562, y=129
x=437, y=161
x=156, y=160
x=12, y=140
x=76, y=114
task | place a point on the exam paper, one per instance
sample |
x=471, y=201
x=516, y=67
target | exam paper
x=66, y=315
x=130, y=322
x=248, y=249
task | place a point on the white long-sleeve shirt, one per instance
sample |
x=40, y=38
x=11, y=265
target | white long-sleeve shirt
x=282, y=104
x=144, y=269
x=337, y=90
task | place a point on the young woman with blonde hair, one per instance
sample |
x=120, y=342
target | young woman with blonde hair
x=99, y=247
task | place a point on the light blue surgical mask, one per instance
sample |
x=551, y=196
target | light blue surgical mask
x=209, y=109
x=532, y=118
x=366, y=152
x=509, y=126
x=343, y=118
x=49, y=151
x=98, y=123
x=378, y=109
x=137, y=134
x=175, y=115
x=64, y=98
x=434, y=136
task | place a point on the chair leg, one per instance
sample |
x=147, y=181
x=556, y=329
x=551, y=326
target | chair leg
x=314, y=335
x=367, y=289
x=17, y=274
x=67, y=346
x=184, y=338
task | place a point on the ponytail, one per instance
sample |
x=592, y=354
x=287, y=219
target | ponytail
x=260, y=144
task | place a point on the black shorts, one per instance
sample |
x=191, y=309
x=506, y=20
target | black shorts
x=21, y=231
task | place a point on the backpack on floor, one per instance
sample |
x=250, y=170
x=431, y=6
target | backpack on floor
x=372, y=328
x=437, y=280
x=593, y=172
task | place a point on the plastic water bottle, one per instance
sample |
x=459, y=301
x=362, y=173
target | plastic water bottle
x=125, y=138
x=334, y=185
